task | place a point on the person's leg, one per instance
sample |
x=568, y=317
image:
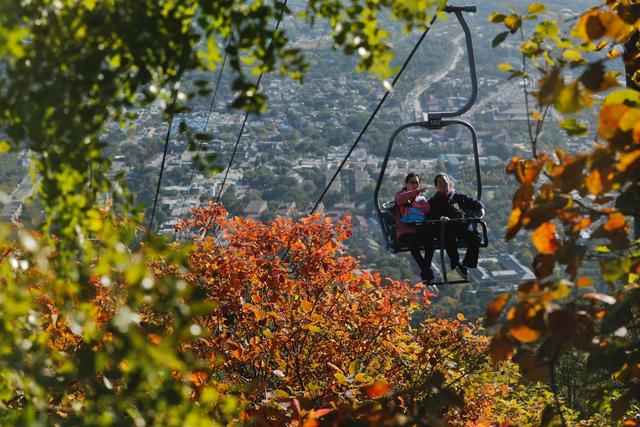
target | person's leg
x=412, y=241
x=473, y=248
x=450, y=245
x=425, y=234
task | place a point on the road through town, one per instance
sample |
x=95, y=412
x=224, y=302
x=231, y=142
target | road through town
x=411, y=107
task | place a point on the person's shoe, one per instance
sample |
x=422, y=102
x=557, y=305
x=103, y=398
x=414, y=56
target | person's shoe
x=462, y=271
x=427, y=276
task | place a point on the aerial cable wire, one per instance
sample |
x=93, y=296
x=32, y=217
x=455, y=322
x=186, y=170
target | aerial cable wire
x=204, y=128
x=246, y=116
x=164, y=156
x=366, y=126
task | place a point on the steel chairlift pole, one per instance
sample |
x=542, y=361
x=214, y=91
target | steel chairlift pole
x=476, y=152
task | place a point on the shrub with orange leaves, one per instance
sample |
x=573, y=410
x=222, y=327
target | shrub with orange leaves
x=300, y=327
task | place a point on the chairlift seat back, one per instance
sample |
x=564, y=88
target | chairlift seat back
x=389, y=214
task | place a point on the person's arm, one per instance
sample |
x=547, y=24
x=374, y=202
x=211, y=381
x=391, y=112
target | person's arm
x=437, y=211
x=470, y=204
x=403, y=197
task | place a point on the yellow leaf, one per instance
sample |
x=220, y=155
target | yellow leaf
x=568, y=100
x=594, y=182
x=609, y=119
x=353, y=367
x=629, y=120
x=306, y=305
x=613, y=53
x=627, y=159
x=313, y=328
x=572, y=55
x=523, y=333
x=514, y=222
x=505, y=67
x=340, y=378
x=460, y=316
x=115, y=61
x=512, y=22
x=544, y=238
x=4, y=146
x=623, y=96
x=314, y=386
x=495, y=307
x=89, y=4
x=281, y=394
x=361, y=377
x=597, y=23
x=536, y=8
x=81, y=31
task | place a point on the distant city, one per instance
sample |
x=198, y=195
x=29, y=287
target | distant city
x=287, y=155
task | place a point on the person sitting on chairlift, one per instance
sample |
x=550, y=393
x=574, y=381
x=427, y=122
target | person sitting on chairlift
x=413, y=208
x=447, y=204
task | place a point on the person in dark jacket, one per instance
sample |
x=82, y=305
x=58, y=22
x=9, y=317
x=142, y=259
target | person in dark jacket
x=445, y=205
x=413, y=208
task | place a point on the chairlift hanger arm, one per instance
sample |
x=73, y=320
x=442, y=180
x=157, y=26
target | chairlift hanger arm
x=476, y=152
x=456, y=9
x=472, y=64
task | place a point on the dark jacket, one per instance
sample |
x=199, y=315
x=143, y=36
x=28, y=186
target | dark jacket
x=453, y=206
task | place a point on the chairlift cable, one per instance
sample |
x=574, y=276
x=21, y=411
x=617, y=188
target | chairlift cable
x=375, y=112
x=246, y=116
x=204, y=129
x=164, y=156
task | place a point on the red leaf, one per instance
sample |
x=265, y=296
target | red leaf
x=377, y=390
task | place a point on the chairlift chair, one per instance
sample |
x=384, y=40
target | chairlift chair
x=387, y=211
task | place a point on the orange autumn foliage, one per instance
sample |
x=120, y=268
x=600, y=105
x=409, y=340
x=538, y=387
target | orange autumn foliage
x=300, y=327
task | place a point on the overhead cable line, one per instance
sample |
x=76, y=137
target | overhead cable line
x=366, y=126
x=246, y=116
x=204, y=128
x=164, y=157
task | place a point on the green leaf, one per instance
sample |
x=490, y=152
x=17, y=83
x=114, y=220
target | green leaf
x=499, y=38
x=212, y=54
x=496, y=17
x=89, y=4
x=573, y=128
x=612, y=270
